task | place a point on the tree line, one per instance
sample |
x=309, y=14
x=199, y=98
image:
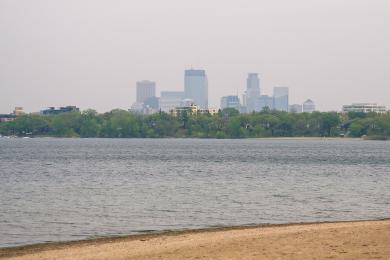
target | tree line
x=228, y=123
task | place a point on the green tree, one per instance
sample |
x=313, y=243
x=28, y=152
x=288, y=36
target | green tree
x=120, y=123
x=230, y=112
x=329, y=122
x=90, y=123
x=30, y=125
x=233, y=128
x=357, y=129
x=66, y=124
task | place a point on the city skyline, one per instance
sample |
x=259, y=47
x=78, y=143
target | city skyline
x=146, y=94
x=146, y=89
x=91, y=53
x=240, y=91
x=196, y=90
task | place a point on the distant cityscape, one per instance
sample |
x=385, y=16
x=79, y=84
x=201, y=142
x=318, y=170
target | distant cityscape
x=195, y=94
x=194, y=98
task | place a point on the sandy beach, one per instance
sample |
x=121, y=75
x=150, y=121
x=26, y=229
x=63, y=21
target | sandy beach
x=339, y=240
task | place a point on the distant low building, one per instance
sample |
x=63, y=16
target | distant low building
x=7, y=117
x=281, y=100
x=193, y=110
x=295, y=108
x=142, y=109
x=230, y=102
x=308, y=106
x=211, y=111
x=265, y=101
x=170, y=99
x=187, y=103
x=56, y=111
x=152, y=102
x=136, y=107
x=364, y=108
x=18, y=111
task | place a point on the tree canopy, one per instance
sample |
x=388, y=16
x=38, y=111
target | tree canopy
x=228, y=123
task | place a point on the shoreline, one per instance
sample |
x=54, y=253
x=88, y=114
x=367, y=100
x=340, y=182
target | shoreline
x=272, y=138
x=197, y=138
x=37, y=250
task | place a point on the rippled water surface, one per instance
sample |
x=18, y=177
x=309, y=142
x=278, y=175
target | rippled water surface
x=69, y=189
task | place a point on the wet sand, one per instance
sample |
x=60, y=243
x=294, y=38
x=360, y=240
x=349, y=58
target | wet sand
x=338, y=240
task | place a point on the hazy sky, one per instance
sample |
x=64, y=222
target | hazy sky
x=90, y=53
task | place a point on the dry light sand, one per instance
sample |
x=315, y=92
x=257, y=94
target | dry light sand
x=342, y=240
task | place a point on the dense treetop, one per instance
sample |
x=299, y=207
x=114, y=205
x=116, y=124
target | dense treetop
x=228, y=123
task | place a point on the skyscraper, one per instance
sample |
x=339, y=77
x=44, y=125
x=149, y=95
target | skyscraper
x=145, y=89
x=281, y=98
x=196, y=87
x=252, y=92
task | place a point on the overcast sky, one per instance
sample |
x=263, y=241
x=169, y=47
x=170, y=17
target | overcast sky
x=90, y=53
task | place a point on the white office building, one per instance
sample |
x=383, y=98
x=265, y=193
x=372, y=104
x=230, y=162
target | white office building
x=364, y=108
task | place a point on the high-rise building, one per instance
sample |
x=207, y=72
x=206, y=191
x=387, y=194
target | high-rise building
x=308, y=106
x=281, y=98
x=265, y=101
x=196, y=87
x=252, y=92
x=230, y=102
x=145, y=90
x=170, y=99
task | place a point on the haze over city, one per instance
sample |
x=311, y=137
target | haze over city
x=91, y=53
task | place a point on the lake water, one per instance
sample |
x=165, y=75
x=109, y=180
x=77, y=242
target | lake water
x=70, y=189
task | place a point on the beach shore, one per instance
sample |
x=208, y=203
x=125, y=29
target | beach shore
x=337, y=240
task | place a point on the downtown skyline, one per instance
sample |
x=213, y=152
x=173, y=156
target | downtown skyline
x=268, y=91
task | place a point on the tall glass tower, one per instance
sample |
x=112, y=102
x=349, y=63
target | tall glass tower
x=252, y=92
x=196, y=87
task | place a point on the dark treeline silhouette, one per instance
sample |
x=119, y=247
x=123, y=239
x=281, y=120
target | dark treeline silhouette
x=228, y=123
